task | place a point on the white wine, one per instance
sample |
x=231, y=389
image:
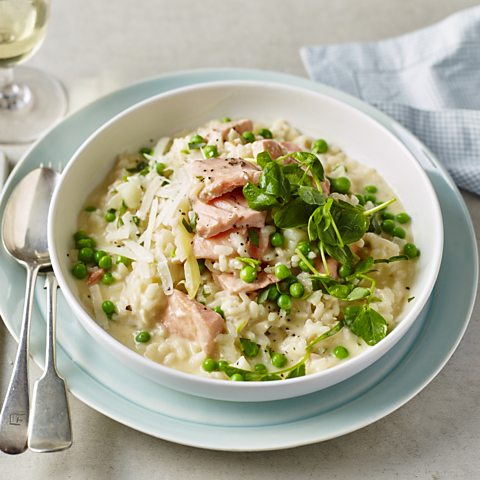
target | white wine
x=22, y=29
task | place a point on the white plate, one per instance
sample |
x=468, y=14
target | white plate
x=352, y=404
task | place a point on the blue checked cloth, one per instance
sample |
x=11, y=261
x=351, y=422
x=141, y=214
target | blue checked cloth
x=428, y=80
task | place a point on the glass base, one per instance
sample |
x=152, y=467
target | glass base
x=47, y=106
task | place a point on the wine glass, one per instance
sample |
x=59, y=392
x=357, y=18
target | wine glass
x=30, y=101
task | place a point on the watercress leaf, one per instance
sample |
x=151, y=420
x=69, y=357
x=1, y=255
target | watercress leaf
x=273, y=182
x=298, y=371
x=358, y=293
x=257, y=199
x=263, y=158
x=249, y=349
x=294, y=214
x=311, y=195
x=369, y=325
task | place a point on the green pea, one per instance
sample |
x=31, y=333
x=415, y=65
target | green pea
x=297, y=290
x=276, y=239
x=411, y=250
x=273, y=293
x=237, y=377
x=108, y=278
x=388, y=226
x=371, y=189
x=265, y=133
x=320, y=146
x=281, y=271
x=340, y=185
x=388, y=216
x=210, y=151
x=105, y=262
x=303, y=266
x=86, y=243
x=260, y=368
x=80, y=271
x=249, y=137
x=111, y=215
x=341, y=352
x=226, y=119
x=279, y=360
x=209, y=365
x=160, y=167
x=220, y=311
x=248, y=274
x=125, y=260
x=143, y=337
x=304, y=247
x=86, y=255
x=146, y=151
x=196, y=142
x=90, y=208
x=399, y=232
x=344, y=271
x=98, y=255
x=222, y=365
x=284, y=302
x=370, y=197
x=403, y=217
x=79, y=235
x=108, y=308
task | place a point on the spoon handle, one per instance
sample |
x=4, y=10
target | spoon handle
x=50, y=429
x=15, y=410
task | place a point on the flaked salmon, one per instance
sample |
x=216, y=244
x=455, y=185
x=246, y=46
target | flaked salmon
x=222, y=175
x=191, y=320
x=224, y=213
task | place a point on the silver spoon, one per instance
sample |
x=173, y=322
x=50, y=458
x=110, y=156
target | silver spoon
x=24, y=234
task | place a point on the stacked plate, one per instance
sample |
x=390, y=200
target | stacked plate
x=146, y=406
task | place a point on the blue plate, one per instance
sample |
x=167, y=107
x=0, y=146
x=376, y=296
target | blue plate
x=97, y=379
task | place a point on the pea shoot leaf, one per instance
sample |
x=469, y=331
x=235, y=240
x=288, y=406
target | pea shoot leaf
x=367, y=324
x=252, y=262
x=249, y=349
x=294, y=214
x=311, y=195
x=257, y=199
x=358, y=293
x=273, y=182
x=263, y=158
x=344, y=254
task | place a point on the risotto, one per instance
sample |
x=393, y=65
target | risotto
x=244, y=251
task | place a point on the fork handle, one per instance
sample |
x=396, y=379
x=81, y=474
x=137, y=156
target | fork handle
x=15, y=411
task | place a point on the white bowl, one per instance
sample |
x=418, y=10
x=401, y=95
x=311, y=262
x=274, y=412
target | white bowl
x=315, y=114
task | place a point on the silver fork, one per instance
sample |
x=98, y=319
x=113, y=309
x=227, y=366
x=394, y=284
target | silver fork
x=50, y=429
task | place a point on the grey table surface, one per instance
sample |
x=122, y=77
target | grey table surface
x=95, y=47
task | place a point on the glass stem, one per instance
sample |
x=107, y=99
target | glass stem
x=13, y=96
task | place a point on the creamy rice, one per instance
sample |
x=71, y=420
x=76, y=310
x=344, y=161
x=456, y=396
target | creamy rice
x=149, y=208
